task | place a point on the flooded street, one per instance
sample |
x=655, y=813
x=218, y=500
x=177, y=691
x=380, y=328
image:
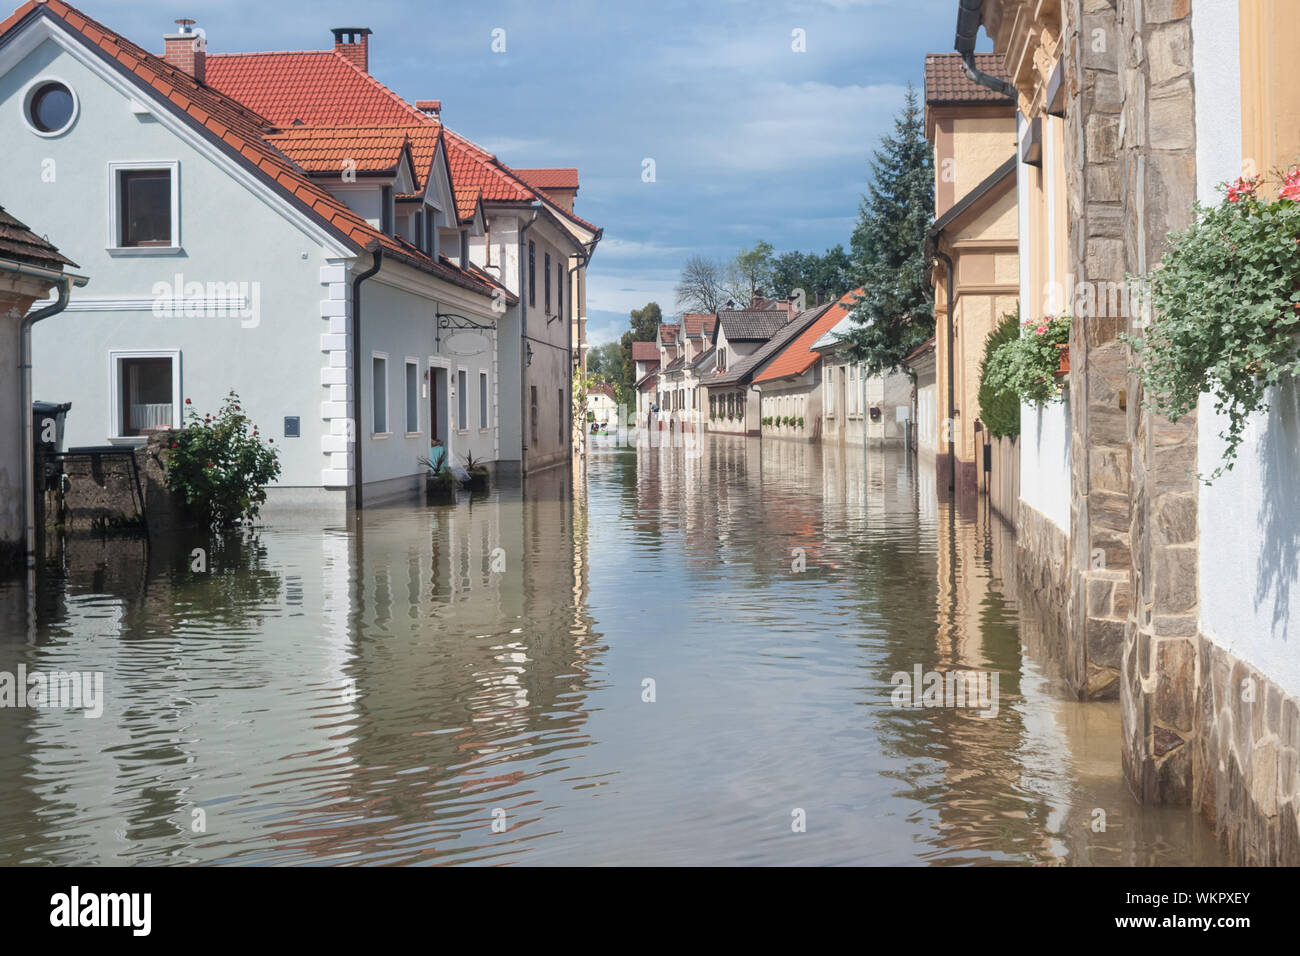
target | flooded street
x=467, y=684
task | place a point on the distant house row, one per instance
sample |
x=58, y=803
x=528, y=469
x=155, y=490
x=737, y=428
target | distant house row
x=771, y=371
x=282, y=224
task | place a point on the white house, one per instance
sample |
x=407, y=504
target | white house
x=224, y=263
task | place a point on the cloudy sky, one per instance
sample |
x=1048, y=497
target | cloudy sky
x=750, y=139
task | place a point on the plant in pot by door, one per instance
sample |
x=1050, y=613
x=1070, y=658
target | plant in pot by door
x=1225, y=304
x=439, y=483
x=478, y=474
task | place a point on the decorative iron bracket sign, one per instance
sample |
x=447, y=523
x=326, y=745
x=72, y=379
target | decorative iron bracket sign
x=450, y=320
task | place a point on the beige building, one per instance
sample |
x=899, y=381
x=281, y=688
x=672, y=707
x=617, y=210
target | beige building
x=972, y=245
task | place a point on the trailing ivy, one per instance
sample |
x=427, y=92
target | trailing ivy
x=999, y=407
x=1226, y=307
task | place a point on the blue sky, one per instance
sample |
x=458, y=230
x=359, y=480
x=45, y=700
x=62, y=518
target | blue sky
x=750, y=139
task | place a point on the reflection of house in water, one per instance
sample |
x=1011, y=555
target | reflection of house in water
x=397, y=686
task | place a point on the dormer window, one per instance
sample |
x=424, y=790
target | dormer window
x=464, y=248
x=418, y=231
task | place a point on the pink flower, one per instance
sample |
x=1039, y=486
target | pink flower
x=1291, y=186
x=1242, y=187
x=1041, y=329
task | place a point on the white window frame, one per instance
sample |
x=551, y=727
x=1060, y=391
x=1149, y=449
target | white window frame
x=114, y=197
x=375, y=435
x=411, y=363
x=29, y=92
x=115, y=357
x=485, y=401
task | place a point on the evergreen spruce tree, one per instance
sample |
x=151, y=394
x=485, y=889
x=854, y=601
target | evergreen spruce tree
x=895, y=312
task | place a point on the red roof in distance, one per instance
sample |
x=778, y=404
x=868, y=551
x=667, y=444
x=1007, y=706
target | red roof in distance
x=797, y=357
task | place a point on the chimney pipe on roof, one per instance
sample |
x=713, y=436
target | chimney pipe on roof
x=430, y=107
x=353, y=43
x=187, y=49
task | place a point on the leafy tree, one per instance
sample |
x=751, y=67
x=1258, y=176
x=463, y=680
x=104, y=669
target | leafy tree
x=701, y=287
x=750, y=273
x=895, y=312
x=822, y=278
x=999, y=407
x=605, y=362
x=645, y=324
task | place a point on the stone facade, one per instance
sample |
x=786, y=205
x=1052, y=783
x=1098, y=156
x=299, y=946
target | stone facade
x=1243, y=759
x=1043, y=579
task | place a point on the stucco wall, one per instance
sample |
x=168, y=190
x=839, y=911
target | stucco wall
x=1250, y=517
x=1045, y=460
x=275, y=365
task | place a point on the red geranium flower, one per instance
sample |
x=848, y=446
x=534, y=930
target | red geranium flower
x=1242, y=187
x=1291, y=186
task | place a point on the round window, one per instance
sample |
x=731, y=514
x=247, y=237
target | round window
x=51, y=107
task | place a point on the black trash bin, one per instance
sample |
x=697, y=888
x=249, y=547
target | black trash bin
x=47, y=435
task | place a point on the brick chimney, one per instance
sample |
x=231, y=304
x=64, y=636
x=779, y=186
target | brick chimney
x=354, y=43
x=187, y=49
x=429, y=107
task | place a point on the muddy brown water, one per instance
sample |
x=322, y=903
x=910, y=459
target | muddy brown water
x=472, y=684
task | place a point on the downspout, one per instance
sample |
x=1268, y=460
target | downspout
x=356, y=371
x=65, y=282
x=584, y=257
x=968, y=25
x=952, y=410
x=524, y=423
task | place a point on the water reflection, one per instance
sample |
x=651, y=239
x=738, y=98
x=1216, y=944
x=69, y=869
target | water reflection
x=470, y=684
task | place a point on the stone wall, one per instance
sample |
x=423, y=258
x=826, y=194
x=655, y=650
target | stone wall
x=1157, y=144
x=1244, y=759
x=1042, y=577
x=1100, y=452
x=100, y=493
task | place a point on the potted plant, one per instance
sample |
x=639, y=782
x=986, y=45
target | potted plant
x=439, y=483
x=800, y=422
x=478, y=474
x=1028, y=365
x=1225, y=304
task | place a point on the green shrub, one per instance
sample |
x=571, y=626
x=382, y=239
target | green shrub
x=999, y=407
x=220, y=465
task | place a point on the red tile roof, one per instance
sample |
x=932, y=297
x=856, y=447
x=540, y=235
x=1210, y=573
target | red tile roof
x=467, y=201
x=312, y=87
x=946, y=82
x=324, y=149
x=240, y=131
x=668, y=333
x=549, y=178
x=645, y=352
x=699, y=323
x=323, y=88
x=797, y=357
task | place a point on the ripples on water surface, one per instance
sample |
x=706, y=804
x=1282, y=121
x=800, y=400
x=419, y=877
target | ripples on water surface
x=383, y=695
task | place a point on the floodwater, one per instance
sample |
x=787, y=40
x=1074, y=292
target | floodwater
x=669, y=660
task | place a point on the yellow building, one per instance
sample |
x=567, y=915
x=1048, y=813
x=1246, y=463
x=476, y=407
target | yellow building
x=972, y=247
